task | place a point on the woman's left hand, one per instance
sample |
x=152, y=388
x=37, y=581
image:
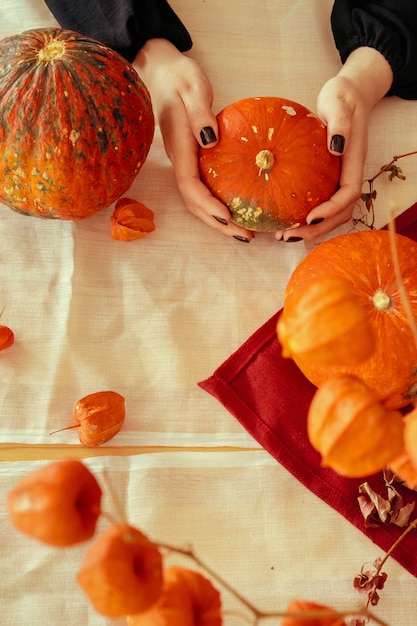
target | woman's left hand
x=344, y=104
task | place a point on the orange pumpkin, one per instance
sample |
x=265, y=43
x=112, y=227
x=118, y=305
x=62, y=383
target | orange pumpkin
x=365, y=260
x=325, y=323
x=187, y=599
x=122, y=572
x=354, y=433
x=99, y=417
x=58, y=503
x=304, y=606
x=131, y=220
x=76, y=124
x=271, y=165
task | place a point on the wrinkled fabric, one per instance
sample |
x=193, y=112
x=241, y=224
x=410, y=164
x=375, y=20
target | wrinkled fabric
x=389, y=26
x=124, y=25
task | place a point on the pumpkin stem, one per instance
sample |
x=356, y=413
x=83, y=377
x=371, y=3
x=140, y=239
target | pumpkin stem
x=51, y=51
x=264, y=160
x=381, y=300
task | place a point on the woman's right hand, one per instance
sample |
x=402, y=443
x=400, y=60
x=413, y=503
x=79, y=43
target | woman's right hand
x=182, y=98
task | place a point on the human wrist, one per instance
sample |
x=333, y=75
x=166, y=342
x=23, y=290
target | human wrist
x=370, y=73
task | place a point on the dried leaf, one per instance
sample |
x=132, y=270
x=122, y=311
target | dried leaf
x=377, y=510
x=395, y=172
x=370, y=582
x=131, y=220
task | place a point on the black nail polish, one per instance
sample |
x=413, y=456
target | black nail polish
x=337, y=143
x=207, y=135
x=220, y=219
x=318, y=220
x=239, y=238
x=291, y=239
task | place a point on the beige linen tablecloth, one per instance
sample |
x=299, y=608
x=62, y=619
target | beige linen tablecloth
x=151, y=318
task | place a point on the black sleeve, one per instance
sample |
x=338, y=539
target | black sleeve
x=123, y=25
x=389, y=26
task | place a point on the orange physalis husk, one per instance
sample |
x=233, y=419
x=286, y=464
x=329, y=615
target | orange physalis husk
x=131, y=220
x=410, y=437
x=187, y=599
x=122, y=572
x=6, y=337
x=304, y=606
x=354, y=432
x=405, y=470
x=58, y=504
x=99, y=417
x=326, y=323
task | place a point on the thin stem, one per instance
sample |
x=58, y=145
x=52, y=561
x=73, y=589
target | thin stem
x=190, y=554
x=386, y=167
x=261, y=615
x=409, y=528
x=120, y=512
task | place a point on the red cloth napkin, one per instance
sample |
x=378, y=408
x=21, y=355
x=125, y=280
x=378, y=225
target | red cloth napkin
x=270, y=397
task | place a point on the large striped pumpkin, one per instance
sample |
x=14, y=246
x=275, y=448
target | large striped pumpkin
x=76, y=124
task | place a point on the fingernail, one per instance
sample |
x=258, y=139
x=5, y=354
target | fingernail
x=220, y=219
x=291, y=239
x=337, y=143
x=318, y=220
x=240, y=238
x=207, y=135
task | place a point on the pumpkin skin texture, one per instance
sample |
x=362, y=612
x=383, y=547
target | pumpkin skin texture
x=271, y=165
x=76, y=124
x=365, y=260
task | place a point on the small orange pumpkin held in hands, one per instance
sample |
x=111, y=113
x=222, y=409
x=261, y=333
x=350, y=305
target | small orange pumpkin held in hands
x=188, y=599
x=58, y=504
x=365, y=260
x=122, y=572
x=304, y=606
x=353, y=431
x=76, y=124
x=326, y=323
x=271, y=165
x=131, y=220
x=99, y=417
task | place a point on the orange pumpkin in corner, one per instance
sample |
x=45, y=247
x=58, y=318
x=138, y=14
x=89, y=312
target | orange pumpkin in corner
x=364, y=259
x=271, y=165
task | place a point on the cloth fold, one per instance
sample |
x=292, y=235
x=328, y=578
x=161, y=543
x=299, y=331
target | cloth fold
x=270, y=397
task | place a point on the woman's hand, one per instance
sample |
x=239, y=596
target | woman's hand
x=344, y=104
x=182, y=97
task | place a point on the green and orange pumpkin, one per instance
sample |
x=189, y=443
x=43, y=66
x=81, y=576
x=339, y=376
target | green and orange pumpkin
x=271, y=165
x=76, y=124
